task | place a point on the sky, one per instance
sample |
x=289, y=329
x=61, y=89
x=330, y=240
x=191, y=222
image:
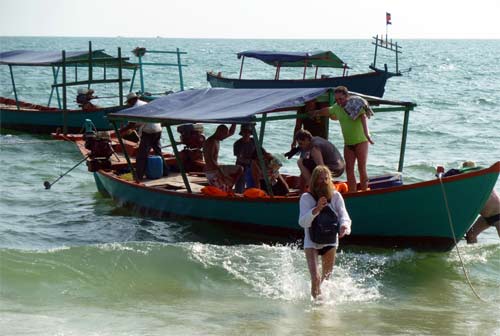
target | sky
x=292, y=19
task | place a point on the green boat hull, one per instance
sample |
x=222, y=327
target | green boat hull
x=414, y=216
x=47, y=121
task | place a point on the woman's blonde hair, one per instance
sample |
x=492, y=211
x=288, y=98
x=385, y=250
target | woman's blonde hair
x=321, y=190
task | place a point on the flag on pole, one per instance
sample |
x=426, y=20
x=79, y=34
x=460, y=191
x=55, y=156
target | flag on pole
x=388, y=18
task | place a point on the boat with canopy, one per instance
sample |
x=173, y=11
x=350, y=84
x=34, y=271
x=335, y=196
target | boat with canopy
x=66, y=69
x=406, y=215
x=370, y=83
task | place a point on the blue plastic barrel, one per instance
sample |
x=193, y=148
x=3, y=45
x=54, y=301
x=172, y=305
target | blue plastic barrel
x=154, y=167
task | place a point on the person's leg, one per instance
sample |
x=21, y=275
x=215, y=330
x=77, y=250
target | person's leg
x=497, y=226
x=312, y=265
x=362, y=157
x=239, y=186
x=479, y=226
x=305, y=174
x=327, y=262
x=155, y=143
x=142, y=155
x=350, y=160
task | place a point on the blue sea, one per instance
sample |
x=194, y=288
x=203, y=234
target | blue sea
x=74, y=263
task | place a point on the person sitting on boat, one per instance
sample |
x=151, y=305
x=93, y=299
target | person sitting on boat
x=84, y=97
x=317, y=151
x=278, y=184
x=220, y=176
x=315, y=125
x=322, y=199
x=353, y=122
x=149, y=134
x=489, y=215
x=243, y=150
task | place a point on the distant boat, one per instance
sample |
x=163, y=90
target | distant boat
x=370, y=83
x=395, y=215
x=35, y=118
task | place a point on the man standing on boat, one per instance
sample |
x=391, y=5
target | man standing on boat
x=149, y=134
x=352, y=112
x=220, y=176
x=243, y=149
x=317, y=151
x=315, y=125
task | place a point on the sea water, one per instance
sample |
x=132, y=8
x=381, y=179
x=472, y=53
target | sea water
x=72, y=262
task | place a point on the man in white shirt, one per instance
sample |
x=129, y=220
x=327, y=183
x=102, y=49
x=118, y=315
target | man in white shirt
x=149, y=134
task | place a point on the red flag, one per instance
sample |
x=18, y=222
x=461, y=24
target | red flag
x=388, y=18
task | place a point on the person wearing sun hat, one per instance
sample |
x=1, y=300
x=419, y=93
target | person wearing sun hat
x=243, y=149
x=83, y=98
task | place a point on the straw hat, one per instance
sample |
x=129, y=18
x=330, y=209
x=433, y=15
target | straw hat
x=468, y=164
x=131, y=95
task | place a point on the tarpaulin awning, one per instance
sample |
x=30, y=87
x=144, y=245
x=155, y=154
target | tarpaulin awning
x=54, y=58
x=219, y=105
x=326, y=59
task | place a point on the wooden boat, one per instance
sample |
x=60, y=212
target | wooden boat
x=409, y=215
x=35, y=118
x=371, y=83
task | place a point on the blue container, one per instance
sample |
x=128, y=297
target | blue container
x=154, y=167
x=385, y=181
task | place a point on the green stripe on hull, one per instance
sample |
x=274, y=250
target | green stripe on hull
x=413, y=211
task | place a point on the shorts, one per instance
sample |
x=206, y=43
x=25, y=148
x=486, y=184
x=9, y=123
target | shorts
x=325, y=249
x=492, y=219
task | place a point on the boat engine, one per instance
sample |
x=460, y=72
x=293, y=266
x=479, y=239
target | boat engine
x=192, y=138
x=99, y=146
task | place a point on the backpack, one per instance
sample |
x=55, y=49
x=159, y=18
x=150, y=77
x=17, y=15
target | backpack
x=324, y=227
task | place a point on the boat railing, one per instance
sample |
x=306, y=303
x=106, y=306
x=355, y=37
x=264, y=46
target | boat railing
x=387, y=44
x=141, y=52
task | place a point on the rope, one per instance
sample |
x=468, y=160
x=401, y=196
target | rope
x=455, y=240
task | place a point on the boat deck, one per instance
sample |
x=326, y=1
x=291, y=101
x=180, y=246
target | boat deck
x=175, y=182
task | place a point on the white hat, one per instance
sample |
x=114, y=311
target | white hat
x=82, y=90
x=131, y=95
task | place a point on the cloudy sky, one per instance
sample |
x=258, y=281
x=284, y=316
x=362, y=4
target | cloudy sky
x=251, y=18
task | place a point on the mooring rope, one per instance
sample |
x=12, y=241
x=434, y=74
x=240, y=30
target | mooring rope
x=450, y=221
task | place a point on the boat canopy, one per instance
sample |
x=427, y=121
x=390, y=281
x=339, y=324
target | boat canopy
x=325, y=59
x=221, y=105
x=54, y=58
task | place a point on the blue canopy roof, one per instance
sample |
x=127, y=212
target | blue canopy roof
x=296, y=59
x=49, y=58
x=219, y=105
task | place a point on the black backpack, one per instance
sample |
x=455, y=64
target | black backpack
x=324, y=227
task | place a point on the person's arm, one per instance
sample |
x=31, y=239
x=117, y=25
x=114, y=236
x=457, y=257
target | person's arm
x=317, y=156
x=298, y=126
x=309, y=209
x=236, y=148
x=232, y=129
x=364, y=122
x=344, y=219
x=322, y=112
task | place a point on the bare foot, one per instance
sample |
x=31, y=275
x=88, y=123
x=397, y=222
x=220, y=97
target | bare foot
x=470, y=237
